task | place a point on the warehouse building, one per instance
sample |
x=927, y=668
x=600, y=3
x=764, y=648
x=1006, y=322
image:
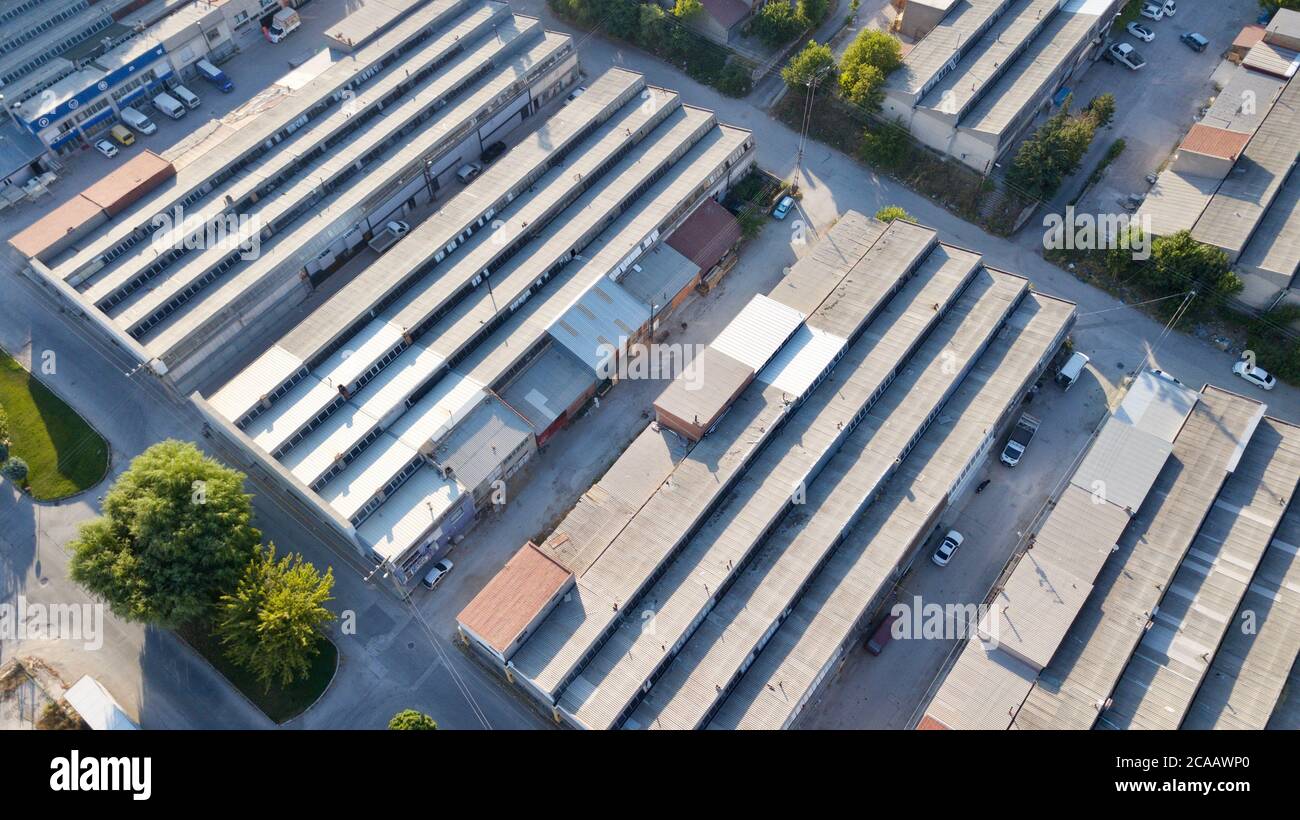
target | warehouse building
x=308, y=182
x=688, y=561
x=1127, y=610
x=402, y=406
x=981, y=72
x=1231, y=182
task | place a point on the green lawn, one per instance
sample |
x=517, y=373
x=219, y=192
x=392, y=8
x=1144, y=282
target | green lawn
x=280, y=703
x=64, y=454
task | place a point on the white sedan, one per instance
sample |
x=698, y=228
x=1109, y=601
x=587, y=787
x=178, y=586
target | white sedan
x=944, y=554
x=106, y=148
x=1141, y=32
x=1257, y=376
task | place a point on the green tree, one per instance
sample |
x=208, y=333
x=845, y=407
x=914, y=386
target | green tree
x=687, y=9
x=777, y=23
x=814, y=61
x=868, y=60
x=735, y=80
x=1053, y=152
x=1102, y=109
x=409, y=719
x=271, y=624
x=812, y=12
x=886, y=146
x=4, y=435
x=891, y=212
x=174, y=535
x=1179, y=261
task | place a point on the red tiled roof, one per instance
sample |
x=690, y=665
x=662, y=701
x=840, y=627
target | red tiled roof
x=1215, y=142
x=929, y=724
x=727, y=12
x=514, y=597
x=706, y=235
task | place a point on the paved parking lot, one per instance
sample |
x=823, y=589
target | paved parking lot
x=882, y=692
x=1155, y=105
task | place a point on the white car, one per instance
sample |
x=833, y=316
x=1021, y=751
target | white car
x=1170, y=8
x=1141, y=32
x=106, y=148
x=436, y=574
x=1125, y=55
x=399, y=228
x=468, y=171
x=1257, y=376
x=944, y=553
x=1153, y=11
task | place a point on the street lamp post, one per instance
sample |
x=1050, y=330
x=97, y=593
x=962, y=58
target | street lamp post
x=807, y=119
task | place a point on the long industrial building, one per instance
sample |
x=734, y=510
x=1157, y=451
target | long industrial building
x=750, y=532
x=402, y=405
x=298, y=188
x=1156, y=591
x=982, y=71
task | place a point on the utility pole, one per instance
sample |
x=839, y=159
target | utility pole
x=807, y=119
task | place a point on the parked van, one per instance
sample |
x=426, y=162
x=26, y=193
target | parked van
x=882, y=636
x=138, y=121
x=186, y=96
x=284, y=23
x=215, y=76
x=169, y=105
x=122, y=134
x=1069, y=373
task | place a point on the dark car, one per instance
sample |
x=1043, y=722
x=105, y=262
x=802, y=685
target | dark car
x=1195, y=41
x=493, y=151
x=882, y=636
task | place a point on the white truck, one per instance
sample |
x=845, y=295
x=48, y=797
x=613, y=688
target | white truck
x=386, y=238
x=138, y=121
x=1021, y=435
x=284, y=23
x=169, y=105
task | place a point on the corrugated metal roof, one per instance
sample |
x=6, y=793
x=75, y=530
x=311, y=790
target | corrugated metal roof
x=823, y=267
x=807, y=644
x=703, y=391
x=597, y=326
x=365, y=476
x=1176, y=201
x=1086, y=667
x=802, y=360
x=1272, y=59
x=1245, y=683
x=1244, y=101
x=1033, y=610
x=858, y=462
x=1275, y=247
x=944, y=45
x=246, y=390
x=449, y=401
x=659, y=276
x=1238, y=206
x=1027, y=79
x=983, y=689
x=1158, y=686
x=548, y=386
x=1156, y=406
x=1121, y=465
x=758, y=331
x=409, y=513
x=479, y=444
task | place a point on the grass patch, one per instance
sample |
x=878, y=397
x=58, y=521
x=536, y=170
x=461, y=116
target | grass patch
x=64, y=454
x=279, y=703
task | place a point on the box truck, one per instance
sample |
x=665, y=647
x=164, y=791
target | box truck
x=215, y=76
x=285, y=22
